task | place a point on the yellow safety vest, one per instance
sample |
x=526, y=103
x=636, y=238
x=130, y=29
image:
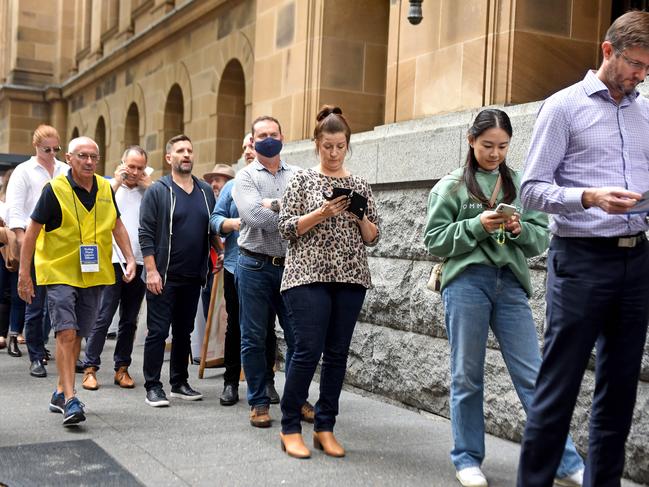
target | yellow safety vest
x=57, y=259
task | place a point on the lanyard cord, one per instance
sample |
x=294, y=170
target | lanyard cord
x=74, y=200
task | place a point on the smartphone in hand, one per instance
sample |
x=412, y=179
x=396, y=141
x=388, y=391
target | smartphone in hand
x=505, y=209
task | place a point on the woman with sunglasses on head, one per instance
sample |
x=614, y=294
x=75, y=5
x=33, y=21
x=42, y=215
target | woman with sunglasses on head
x=23, y=192
x=325, y=278
x=476, y=223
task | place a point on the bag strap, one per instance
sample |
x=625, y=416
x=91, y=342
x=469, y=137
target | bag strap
x=494, y=195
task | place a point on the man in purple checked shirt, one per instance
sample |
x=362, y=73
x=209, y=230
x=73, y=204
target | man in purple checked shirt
x=588, y=165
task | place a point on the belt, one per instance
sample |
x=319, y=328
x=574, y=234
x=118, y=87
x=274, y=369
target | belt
x=276, y=261
x=626, y=241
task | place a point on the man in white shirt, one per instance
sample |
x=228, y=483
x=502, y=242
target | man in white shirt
x=23, y=192
x=129, y=184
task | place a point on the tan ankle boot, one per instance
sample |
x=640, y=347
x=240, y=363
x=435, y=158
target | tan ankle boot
x=326, y=441
x=90, y=379
x=293, y=445
x=123, y=379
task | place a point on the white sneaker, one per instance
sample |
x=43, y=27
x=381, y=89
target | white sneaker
x=575, y=479
x=471, y=477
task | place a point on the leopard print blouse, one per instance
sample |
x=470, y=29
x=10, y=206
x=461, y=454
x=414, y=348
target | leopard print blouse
x=333, y=250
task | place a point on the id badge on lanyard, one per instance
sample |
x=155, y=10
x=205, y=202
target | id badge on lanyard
x=89, y=257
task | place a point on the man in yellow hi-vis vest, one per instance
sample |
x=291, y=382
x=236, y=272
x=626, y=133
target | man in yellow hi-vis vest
x=70, y=232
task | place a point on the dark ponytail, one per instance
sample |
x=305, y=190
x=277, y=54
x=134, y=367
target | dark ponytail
x=485, y=120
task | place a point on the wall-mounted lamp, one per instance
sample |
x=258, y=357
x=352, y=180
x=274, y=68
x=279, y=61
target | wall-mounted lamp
x=415, y=15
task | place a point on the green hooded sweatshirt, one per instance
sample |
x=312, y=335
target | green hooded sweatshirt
x=454, y=230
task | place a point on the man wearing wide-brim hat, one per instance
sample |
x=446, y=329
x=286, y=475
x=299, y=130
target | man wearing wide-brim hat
x=220, y=175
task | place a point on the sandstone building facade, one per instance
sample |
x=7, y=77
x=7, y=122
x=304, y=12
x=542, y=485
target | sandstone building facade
x=140, y=71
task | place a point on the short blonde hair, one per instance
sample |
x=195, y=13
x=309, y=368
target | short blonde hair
x=44, y=132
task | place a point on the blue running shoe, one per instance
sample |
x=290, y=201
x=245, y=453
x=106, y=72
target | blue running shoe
x=57, y=403
x=74, y=412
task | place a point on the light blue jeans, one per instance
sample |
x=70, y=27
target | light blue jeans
x=480, y=297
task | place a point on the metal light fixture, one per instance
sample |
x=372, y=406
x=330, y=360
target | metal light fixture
x=415, y=15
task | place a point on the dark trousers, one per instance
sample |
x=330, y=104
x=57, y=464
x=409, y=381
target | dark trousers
x=37, y=323
x=128, y=296
x=232, y=353
x=175, y=307
x=597, y=295
x=9, y=291
x=324, y=317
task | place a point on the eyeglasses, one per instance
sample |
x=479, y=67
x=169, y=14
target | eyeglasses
x=633, y=62
x=47, y=150
x=83, y=156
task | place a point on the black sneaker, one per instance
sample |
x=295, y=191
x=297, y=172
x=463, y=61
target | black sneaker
x=156, y=397
x=79, y=367
x=271, y=392
x=230, y=395
x=57, y=403
x=73, y=412
x=37, y=369
x=185, y=392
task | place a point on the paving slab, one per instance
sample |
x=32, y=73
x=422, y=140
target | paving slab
x=205, y=444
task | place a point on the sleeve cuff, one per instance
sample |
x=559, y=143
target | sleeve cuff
x=477, y=229
x=572, y=199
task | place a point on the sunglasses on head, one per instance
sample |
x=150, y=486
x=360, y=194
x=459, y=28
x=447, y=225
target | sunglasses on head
x=47, y=150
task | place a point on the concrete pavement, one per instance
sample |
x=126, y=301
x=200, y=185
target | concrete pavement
x=204, y=443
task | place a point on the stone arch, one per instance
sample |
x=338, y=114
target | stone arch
x=173, y=119
x=100, y=138
x=135, y=95
x=75, y=133
x=230, y=113
x=75, y=122
x=236, y=46
x=132, y=126
x=179, y=75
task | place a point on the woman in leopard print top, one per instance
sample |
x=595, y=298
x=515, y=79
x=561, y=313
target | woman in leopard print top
x=325, y=280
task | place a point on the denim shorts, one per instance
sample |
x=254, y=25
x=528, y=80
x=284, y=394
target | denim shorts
x=73, y=308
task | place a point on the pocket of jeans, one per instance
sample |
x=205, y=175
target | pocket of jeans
x=250, y=263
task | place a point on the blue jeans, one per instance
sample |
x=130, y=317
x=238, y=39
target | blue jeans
x=37, y=324
x=480, y=297
x=324, y=316
x=258, y=282
x=128, y=296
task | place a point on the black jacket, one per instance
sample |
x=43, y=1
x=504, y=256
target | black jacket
x=156, y=215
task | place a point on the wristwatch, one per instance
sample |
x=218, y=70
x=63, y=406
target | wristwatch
x=274, y=205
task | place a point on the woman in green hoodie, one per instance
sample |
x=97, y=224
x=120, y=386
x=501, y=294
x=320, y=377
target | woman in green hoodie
x=486, y=283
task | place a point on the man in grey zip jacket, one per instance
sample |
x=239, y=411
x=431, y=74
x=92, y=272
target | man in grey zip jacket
x=174, y=215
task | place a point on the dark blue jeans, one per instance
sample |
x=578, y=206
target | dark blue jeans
x=128, y=296
x=232, y=352
x=597, y=295
x=324, y=317
x=37, y=323
x=175, y=307
x=258, y=282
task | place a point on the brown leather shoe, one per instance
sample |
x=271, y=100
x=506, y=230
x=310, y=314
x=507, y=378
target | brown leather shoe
x=307, y=413
x=123, y=379
x=259, y=416
x=89, y=380
x=326, y=441
x=293, y=445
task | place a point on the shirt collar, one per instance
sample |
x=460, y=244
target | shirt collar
x=260, y=167
x=75, y=186
x=592, y=85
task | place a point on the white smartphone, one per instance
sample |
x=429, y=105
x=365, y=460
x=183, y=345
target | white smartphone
x=148, y=170
x=506, y=209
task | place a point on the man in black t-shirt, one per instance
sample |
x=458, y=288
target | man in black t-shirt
x=175, y=238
